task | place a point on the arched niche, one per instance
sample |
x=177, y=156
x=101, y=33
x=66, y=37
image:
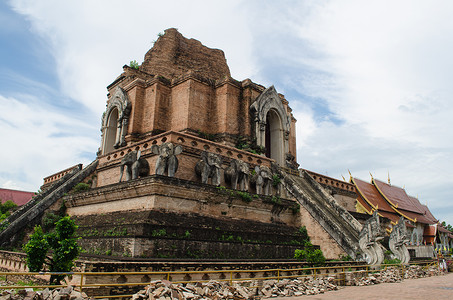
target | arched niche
x=115, y=121
x=272, y=124
x=274, y=136
x=110, y=131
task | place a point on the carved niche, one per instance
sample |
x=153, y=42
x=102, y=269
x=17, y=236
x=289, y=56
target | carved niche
x=269, y=101
x=115, y=121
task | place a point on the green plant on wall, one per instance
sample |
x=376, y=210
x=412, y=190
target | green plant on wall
x=310, y=255
x=80, y=187
x=134, y=64
x=275, y=180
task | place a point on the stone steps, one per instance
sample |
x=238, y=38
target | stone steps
x=335, y=220
x=36, y=207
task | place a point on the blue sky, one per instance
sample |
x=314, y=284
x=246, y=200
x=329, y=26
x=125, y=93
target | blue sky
x=369, y=81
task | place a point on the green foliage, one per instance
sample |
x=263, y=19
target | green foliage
x=302, y=232
x=245, y=196
x=295, y=208
x=275, y=180
x=160, y=232
x=80, y=187
x=276, y=200
x=243, y=143
x=345, y=258
x=391, y=261
x=448, y=226
x=310, y=255
x=187, y=234
x=206, y=136
x=36, y=250
x=61, y=241
x=134, y=64
x=49, y=221
x=8, y=206
x=6, y=209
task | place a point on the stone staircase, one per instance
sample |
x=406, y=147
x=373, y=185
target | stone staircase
x=28, y=213
x=336, y=220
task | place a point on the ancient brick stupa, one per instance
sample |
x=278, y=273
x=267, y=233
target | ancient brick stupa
x=194, y=163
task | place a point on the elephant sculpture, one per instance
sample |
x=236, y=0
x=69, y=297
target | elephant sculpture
x=135, y=166
x=209, y=167
x=369, y=239
x=263, y=180
x=167, y=160
x=238, y=174
x=398, y=240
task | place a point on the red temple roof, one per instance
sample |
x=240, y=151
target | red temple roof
x=369, y=192
x=398, y=197
x=18, y=197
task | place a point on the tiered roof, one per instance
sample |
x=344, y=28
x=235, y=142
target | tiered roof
x=391, y=202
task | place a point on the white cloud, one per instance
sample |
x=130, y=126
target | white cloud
x=39, y=141
x=92, y=40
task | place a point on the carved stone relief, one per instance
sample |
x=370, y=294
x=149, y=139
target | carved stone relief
x=134, y=166
x=238, y=175
x=397, y=242
x=369, y=239
x=209, y=167
x=167, y=162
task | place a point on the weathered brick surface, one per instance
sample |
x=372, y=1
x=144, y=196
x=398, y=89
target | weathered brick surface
x=173, y=55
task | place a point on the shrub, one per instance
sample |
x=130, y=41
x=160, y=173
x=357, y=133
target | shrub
x=310, y=255
x=134, y=64
x=80, y=187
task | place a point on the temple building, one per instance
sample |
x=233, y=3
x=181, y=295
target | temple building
x=361, y=199
x=195, y=164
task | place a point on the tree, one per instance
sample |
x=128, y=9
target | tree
x=63, y=244
x=6, y=208
x=447, y=226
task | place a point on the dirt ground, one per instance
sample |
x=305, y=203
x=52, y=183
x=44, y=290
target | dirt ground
x=436, y=287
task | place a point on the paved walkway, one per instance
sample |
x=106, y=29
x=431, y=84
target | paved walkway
x=436, y=287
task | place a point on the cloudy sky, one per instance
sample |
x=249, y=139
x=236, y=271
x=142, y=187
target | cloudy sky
x=370, y=82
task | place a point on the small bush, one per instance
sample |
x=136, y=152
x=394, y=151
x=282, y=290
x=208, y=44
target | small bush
x=80, y=187
x=310, y=255
x=246, y=197
x=134, y=64
x=275, y=180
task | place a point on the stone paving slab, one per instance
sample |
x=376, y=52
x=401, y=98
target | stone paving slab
x=436, y=287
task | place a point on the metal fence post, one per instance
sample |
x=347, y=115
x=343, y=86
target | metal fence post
x=231, y=278
x=81, y=283
x=278, y=275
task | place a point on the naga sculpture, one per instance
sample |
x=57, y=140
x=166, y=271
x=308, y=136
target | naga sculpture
x=238, y=174
x=135, y=166
x=167, y=160
x=369, y=239
x=263, y=180
x=398, y=240
x=209, y=167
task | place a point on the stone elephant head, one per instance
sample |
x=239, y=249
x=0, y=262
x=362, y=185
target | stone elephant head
x=209, y=167
x=135, y=166
x=263, y=180
x=238, y=174
x=167, y=160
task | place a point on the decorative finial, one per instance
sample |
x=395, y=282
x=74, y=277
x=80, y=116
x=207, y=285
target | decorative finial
x=388, y=177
